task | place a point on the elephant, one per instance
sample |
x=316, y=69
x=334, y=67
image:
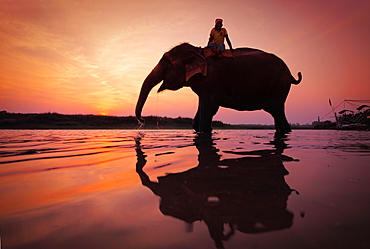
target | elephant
x=249, y=80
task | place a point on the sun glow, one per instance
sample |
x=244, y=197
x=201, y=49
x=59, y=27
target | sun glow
x=92, y=57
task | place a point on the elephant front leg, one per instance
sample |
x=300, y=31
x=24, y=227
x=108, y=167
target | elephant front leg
x=196, y=122
x=203, y=119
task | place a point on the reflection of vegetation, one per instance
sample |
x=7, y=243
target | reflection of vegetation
x=77, y=121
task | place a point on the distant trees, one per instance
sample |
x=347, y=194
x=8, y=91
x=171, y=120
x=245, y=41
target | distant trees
x=78, y=121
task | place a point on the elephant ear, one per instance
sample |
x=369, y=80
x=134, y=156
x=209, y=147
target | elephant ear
x=198, y=64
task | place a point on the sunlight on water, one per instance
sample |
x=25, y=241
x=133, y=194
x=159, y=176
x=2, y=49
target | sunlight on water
x=175, y=189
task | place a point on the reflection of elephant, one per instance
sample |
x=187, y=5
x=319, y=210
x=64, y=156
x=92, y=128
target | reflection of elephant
x=251, y=80
x=249, y=193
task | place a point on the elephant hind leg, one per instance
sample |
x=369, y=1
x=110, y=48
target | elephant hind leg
x=281, y=123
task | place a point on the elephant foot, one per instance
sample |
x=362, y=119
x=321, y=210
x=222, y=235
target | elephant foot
x=198, y=130
x=280, y=134
x=203, y=132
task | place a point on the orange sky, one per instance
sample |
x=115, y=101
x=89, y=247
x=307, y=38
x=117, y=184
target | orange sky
x=91, y=56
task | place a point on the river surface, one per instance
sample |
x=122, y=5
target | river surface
x=149, y=189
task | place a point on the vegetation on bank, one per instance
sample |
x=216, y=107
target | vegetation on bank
x=78, y=121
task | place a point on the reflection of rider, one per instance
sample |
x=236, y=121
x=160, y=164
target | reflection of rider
x=248, y=193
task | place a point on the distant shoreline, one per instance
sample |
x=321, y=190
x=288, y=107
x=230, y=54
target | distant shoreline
x=47, y=121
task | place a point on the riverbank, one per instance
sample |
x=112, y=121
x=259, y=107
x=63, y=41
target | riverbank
x=79, y=121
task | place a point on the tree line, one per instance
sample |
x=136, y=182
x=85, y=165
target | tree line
x=78, y=121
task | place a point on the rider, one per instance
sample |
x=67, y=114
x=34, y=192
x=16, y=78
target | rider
x=217, y=37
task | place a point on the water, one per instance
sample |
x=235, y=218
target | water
x=173, y=189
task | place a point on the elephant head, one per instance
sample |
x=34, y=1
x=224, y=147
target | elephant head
x=175, y=69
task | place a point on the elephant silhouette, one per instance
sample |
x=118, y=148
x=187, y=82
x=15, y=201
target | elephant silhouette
x=248, y=193
x=251, y=80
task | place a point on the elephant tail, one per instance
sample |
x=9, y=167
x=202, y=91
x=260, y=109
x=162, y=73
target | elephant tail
x=296, y=82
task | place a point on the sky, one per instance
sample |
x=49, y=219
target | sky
x=91, y=56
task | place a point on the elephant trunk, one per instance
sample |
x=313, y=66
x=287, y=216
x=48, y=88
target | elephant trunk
x=155, y=76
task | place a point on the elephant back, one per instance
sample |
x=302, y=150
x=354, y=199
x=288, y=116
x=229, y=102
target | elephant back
x=240, y=52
